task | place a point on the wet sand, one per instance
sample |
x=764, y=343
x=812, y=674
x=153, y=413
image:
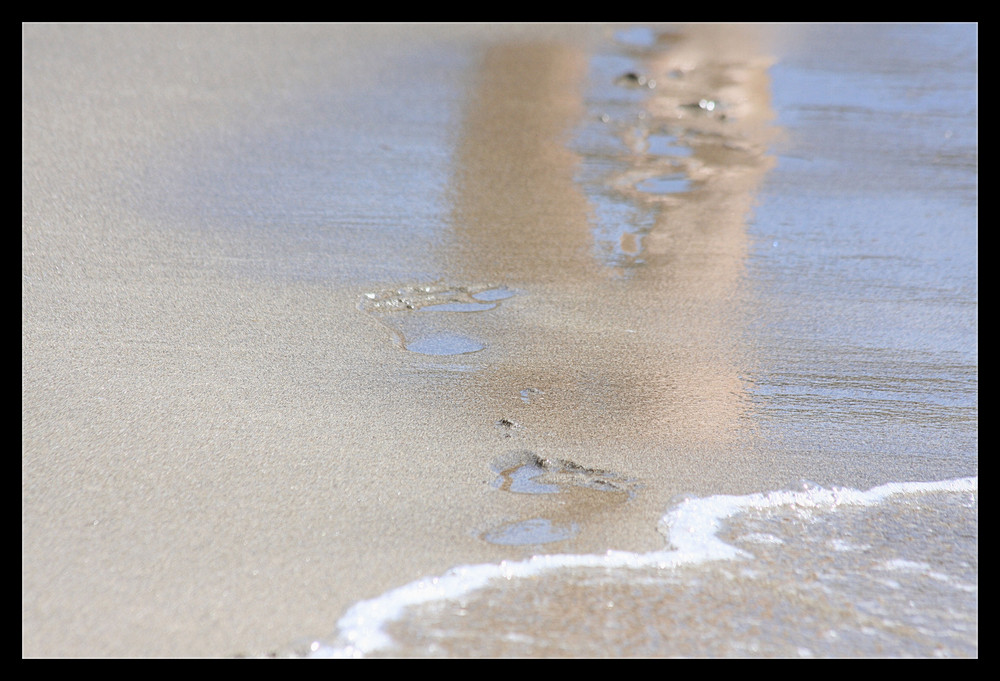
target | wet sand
x=213, y=464
x=235, y=424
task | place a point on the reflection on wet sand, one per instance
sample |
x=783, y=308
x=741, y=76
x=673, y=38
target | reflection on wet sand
x=637, y=348
x=711, y=99
x=517, y=214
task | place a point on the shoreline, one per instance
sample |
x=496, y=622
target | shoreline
x=691, y=527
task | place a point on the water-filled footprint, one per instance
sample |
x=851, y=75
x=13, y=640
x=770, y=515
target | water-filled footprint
x=533, y=531
x=427, y=319
x=581, y=492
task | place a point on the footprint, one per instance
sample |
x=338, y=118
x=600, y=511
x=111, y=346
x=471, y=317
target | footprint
x=581, y=492
x=427, y=319
x=517, y=472
x=444, y=343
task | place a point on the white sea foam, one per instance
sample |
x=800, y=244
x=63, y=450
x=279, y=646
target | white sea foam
x=691, y=530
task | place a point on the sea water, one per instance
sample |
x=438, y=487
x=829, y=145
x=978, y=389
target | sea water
x=806, y=571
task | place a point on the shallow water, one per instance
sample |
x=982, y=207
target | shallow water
x=802, y=572
x=866, y=244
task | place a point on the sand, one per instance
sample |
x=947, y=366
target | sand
x=226, y=443
x=211, y=465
